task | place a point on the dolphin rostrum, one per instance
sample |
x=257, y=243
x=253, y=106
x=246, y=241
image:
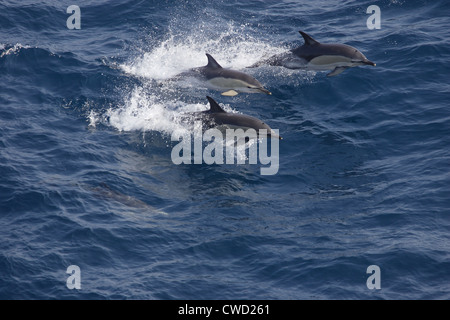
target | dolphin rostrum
x=217, y=117
x=313, y=55
x=230, y=82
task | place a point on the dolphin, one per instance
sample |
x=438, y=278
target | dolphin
x=217, y=117
x=313, y=55
x=230, y=82
x=104, y=191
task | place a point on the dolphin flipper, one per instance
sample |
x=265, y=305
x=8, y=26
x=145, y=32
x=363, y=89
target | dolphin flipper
x=336, y=71
x=230, y=93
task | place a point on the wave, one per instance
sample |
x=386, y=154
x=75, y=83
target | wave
x=11, y=49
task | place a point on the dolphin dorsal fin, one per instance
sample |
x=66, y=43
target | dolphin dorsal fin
x=309, y=41
x=212, y=62
x=214, y=106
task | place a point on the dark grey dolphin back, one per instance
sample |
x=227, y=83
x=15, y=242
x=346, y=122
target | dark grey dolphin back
x=312, y=49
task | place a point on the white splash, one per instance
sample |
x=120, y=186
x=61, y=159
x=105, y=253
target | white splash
x=159, y=103
x=143, y=111
x=174, y=56
x=12, y=50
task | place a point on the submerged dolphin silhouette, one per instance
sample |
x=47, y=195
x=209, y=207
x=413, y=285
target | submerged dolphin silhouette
x=313, y=55
x=217, y=117
x=230, y=82
x=105, y=192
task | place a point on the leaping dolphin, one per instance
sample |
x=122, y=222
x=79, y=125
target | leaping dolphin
x=217, y=117
x=230, y=82
x=313, y=55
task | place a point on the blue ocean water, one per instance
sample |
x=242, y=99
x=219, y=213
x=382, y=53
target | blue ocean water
x=86, y=118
